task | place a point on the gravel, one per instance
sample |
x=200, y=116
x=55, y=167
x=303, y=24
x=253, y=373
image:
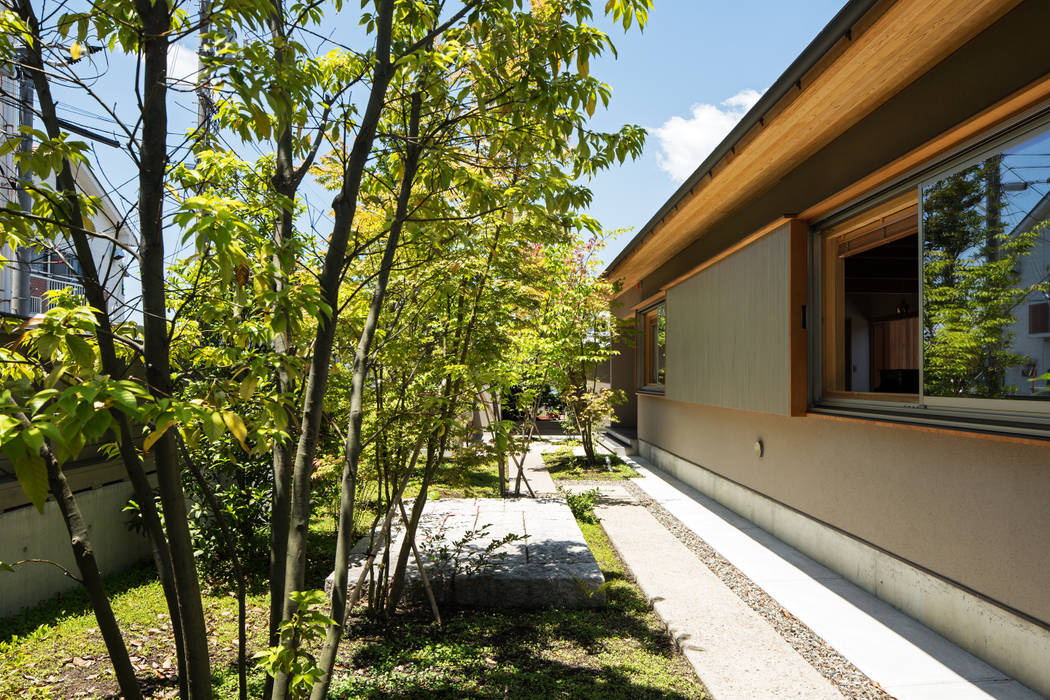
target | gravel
x=850, y=681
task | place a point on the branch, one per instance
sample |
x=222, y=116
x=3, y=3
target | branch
x=64, y=570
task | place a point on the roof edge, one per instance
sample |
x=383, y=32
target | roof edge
x=838, y=27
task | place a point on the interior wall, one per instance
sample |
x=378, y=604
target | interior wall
x=968, y=508
x=860, y=342
x=727, y=331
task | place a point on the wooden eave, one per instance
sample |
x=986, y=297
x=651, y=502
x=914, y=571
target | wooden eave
x=890, y=47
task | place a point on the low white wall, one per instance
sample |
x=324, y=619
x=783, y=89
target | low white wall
x=1006, y=641
x=28, y=534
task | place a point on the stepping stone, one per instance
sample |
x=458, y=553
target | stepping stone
x=546, y=563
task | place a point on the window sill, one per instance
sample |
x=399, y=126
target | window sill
x=1023, y=429
x=651, y=390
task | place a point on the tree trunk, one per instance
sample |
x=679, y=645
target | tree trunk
x=345, y=206
x=96, y=297
x=238, y=572
x=84, y=554
x=284, y=183
x=357, y=390
x=153, y=158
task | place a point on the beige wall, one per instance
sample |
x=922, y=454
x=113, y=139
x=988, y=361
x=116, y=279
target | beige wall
x=623, y=375
x=974, y=510
x=28, y=534
x=727, y=331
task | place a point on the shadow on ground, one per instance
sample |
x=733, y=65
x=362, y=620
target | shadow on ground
x=612, y=652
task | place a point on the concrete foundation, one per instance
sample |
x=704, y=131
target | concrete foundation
x=989, y=632
x=28, y=534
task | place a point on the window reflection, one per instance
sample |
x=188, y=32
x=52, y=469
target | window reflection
x=986, y=320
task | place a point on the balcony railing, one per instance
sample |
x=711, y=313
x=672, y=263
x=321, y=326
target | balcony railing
x=39, y=305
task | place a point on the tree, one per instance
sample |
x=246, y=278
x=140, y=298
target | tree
x=470, y=133
x=971, y=284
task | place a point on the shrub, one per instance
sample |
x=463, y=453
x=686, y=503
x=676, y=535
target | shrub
x=581, y=504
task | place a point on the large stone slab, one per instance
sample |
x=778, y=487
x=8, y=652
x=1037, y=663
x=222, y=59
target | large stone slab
x=491, y=552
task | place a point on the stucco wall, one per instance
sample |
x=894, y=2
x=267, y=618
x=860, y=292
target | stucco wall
x=727, y=331
x=623, y=374
x=971, y=509
x=28, y=534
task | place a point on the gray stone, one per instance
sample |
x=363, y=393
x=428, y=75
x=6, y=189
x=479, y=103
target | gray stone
x=546, y=562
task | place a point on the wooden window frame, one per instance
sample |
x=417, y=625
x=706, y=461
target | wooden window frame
x=892, y=220
x=648, y=320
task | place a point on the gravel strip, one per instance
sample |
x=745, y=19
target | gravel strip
x=850, y=681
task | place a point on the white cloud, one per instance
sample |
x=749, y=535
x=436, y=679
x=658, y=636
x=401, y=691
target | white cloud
x=685, y=142
x=182, y=63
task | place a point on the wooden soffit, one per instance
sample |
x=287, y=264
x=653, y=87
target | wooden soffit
x=879, y=57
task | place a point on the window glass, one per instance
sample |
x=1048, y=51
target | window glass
x=985, y=257
x=871, y=304
x=655, y=332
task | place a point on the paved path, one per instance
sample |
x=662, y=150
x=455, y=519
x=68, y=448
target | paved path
x=907, y=659
x=535, y=471
x=732, y=649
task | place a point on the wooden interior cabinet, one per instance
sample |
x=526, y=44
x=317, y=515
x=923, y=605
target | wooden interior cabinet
x=895, y=343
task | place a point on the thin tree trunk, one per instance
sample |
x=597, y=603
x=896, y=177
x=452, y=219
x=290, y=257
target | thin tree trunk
x=84, y=554
x=345, y=207
x=422, y=571
x=156, y=25
x=284, y=184
x=238, y=572
x=96, y=297
x=357, y=390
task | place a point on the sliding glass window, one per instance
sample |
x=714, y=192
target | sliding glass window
x=654, y=357
x=986, y=297
x=871, y=305
x=938, y=300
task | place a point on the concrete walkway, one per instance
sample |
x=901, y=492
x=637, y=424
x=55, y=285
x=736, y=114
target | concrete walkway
x=735, y=652
x=732, y=649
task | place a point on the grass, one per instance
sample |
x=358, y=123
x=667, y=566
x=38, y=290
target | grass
x=619, y=651
x=56, y=651
x=455, y=480
x=564, y=465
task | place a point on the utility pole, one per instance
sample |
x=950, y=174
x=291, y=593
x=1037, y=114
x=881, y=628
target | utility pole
x=205, y=107
x=20, y=276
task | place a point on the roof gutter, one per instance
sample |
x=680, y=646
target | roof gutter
x=838, y=27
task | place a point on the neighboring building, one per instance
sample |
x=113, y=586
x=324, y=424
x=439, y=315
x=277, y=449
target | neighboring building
x=100, y=483
x=9, y=120
x=58, y=268
x=30, y=274
x=842, y=312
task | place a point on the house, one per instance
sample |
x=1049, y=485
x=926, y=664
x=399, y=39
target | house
x=99, y=482
x=843, y=322
x=32, y=273
x=26, y=281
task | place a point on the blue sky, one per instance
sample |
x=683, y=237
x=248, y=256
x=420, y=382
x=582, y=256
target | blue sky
x=694, y=71
x=688, y=78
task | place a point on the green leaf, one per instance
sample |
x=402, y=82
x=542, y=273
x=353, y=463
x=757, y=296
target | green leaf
x=248, y=387
x=4, y=566
x=32, y=475
x=123, y=398
x=81, y=351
